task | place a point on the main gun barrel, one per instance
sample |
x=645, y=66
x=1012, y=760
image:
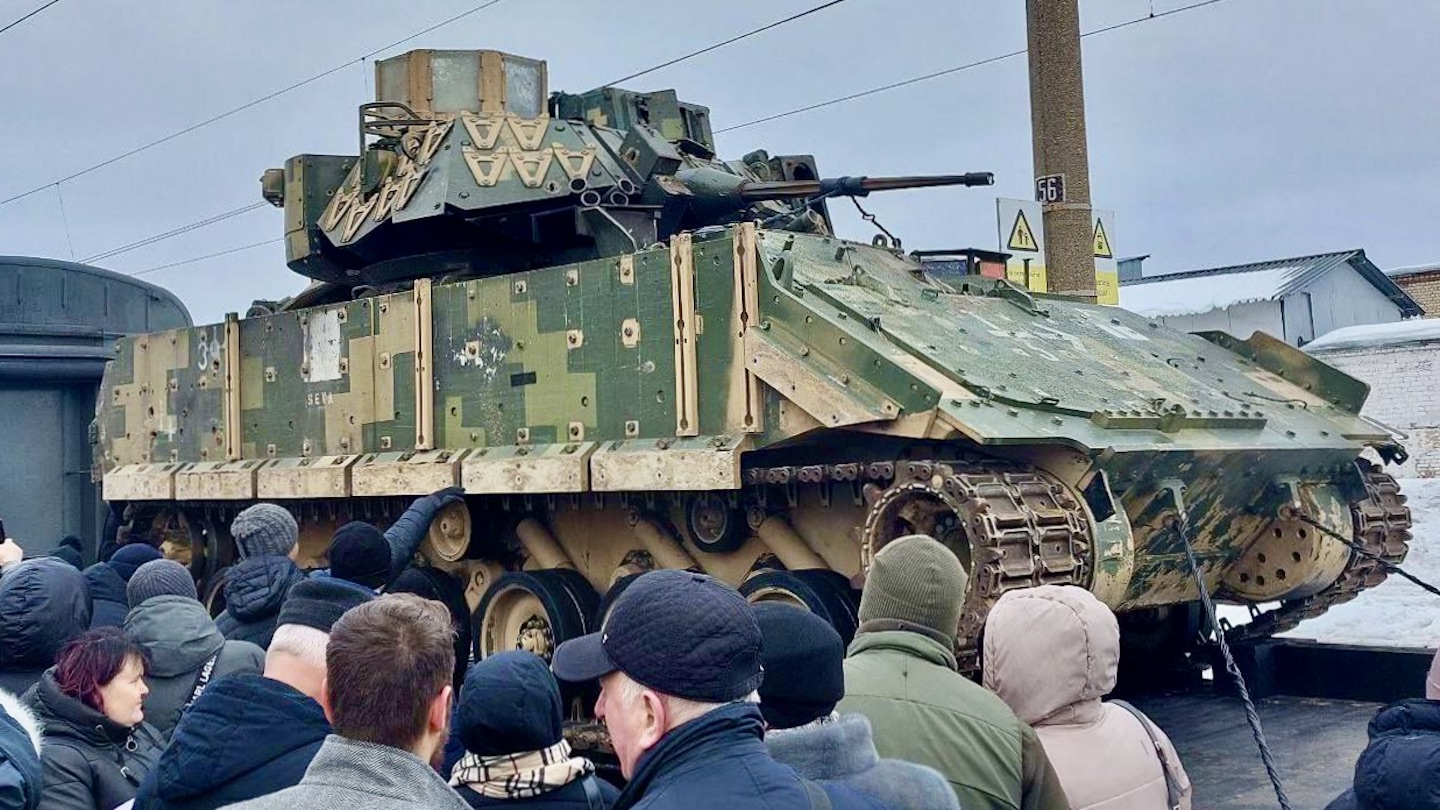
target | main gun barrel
x=716, y=189
x=757, y=190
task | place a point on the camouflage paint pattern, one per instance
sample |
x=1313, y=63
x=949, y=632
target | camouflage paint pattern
x=853, y=344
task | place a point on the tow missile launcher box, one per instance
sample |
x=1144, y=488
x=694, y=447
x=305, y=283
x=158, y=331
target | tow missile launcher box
x=633, y=354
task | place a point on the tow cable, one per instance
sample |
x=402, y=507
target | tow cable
x=1293, y=511
x=1182, y=529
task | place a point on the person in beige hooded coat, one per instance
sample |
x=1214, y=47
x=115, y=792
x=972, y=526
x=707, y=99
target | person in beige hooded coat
x=1051, y=653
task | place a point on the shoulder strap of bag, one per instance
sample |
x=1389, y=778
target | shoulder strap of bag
x=819, y=799
x=1172, y=789
x=593, y=799
x=202, y=680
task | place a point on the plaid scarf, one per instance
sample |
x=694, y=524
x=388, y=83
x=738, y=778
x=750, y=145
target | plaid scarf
x=520, y=776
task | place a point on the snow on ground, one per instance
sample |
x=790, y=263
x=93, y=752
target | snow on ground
x=1395, y=613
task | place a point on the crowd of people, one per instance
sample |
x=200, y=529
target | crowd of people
x=351, y=687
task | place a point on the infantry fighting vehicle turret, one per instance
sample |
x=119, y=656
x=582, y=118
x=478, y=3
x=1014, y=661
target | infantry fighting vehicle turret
x=632, y=354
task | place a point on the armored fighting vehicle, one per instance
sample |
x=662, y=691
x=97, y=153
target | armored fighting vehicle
x=633, y=354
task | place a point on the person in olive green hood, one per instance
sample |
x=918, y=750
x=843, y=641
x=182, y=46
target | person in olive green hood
x=900, y=672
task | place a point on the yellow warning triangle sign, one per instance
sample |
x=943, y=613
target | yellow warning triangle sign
x=1021, y=237
x=1102, y=241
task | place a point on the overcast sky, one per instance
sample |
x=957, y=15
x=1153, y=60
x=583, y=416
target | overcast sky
x=1243, y=130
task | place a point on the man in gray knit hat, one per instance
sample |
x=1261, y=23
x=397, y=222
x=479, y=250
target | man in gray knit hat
x=266, y=536
x=901, y=673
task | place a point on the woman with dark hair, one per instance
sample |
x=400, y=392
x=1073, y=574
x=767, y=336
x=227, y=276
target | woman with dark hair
x=96, y=747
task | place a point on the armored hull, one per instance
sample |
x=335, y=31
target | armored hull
x=769, y=407
x=634, y=355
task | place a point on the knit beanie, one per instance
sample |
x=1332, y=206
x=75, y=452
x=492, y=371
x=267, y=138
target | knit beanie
x=319, y=603
x=159, y=578
x=264, y=529
x=360, y=554
x=510, y=704
x=917, y=584
x=804, y=665
x=128, y=558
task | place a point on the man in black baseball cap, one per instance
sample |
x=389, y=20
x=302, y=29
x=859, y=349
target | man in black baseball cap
x=678, y=661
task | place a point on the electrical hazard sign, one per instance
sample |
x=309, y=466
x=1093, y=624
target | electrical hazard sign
x=1102, y=241
x=1022, y=235
x=1022, y=238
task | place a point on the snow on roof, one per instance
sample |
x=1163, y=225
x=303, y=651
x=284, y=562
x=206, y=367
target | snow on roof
x=1418, y=330
x=1412, y=270
x=1195, y=294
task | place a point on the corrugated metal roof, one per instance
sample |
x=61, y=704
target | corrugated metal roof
x=1198, y=291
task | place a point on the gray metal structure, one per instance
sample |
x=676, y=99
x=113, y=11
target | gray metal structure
x=58, y=325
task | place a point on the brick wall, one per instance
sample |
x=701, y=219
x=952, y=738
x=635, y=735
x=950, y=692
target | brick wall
x=1404, y=394
x=1425, y=289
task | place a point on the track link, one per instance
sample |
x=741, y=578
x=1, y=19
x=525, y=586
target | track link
x=1014, y=526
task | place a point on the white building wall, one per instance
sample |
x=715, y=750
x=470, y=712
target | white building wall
x=1404, y=394
x=1240, y=320
x=1343, y=297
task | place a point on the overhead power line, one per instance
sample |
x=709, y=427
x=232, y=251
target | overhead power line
x=948, y=71
x=247, y=105
x=10, y=25
x=150, y=240
x=717, y=46
x=217, y=254
x=796, y=111
x=160, y=237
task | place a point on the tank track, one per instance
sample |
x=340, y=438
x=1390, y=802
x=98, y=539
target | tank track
x=1382, y=526
x=1024, y=528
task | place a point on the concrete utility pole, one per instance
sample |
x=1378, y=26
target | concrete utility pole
x=1057, y=118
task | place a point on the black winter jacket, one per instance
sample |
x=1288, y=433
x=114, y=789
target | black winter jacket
x=247, y=736
x=90, y=762
x=181, y=637
x=107, y=596
x=407, y=533
x=718, y=761
x=254, y=590
x=1400, y=768
x=43, y=604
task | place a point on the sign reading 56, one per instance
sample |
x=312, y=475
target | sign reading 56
x=1050, y=188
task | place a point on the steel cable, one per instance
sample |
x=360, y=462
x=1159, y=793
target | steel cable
x=1367, y=553
x=1182, y=528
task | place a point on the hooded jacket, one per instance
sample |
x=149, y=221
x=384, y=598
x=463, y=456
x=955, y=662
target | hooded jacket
x=842, y=750
x=1051, y=653
x=718, y=761
x=107, y=596
x=922, y=710
x=20, y=771
x=90, y=761
x=44, y=603
x=181, y=638
x=254, y=591
x=1400, y=768
x=247, y=736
